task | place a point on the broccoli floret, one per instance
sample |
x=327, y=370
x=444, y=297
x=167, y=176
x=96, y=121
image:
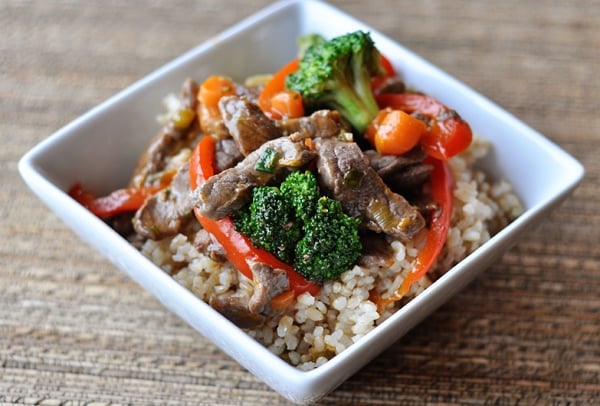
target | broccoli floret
x=301, y=227
x=308, y=40
x=337, y=74
x=330, y=244
x=302, y=191
x=270, y=223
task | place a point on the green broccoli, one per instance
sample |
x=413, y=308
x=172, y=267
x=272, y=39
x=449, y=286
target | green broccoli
x=269, y=221
x=330, y=244
x=301, y=227
x=302, y=191
x=337, y=74
x=306, y=41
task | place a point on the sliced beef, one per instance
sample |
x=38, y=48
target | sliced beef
x=391, y=84
x=269, y=283
x=227, y=154
x=376, y=252
x=165, y=213
x=409, y=178
x=226, y=192
x=215, y=124
x=235, y=308
x=204, y=242
x=321, y=123
x=189, y=93
x=387, y=164
x=121, y=223
x=247, y=124
x=402, y=173
x=345, y=172
x=246, y=312
x=169, y=141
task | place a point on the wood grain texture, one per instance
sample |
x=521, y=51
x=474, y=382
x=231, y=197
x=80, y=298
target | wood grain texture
x=75, y=330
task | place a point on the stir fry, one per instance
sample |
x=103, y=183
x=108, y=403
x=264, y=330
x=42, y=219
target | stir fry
x=296, y=178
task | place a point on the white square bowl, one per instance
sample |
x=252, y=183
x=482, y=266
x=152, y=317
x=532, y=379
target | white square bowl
x=100, y=150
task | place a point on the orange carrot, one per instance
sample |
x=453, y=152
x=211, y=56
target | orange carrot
x=395, y=132
x=448, y=134
x=213, y=88
x=287, y=104
x=211, y=91
x=275, y=85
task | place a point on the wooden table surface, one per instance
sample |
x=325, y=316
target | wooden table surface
x=76, y=330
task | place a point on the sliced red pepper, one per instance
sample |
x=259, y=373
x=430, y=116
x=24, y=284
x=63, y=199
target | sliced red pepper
x=81, y=195
x=387, y=66
x=442, y=185
x=448, y=134
x=378, y=81
x=275, y=86
x=119, y=201
x=202, y=161
x=238, y=248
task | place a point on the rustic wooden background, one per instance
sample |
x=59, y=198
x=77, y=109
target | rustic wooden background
x=75, y=330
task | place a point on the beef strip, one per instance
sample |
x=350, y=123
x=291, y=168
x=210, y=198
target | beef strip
x=391, y=84
x=165, y=213
x=321, y=123
x=169, y=141
x=235, y=308
x=227, y=154
x=246, y=312
x=402, y=173
x=345, y=172
x=214, y=123
x=226, y=192
x=189, y=93
x=247, y=124
x=121, y=223
x=409, y=178
x=387, y=164
x=204, y=242
x=269, y=282
x=376, y=251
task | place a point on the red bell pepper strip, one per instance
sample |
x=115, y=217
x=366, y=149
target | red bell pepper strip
x=119, y=201
x=238, y=248
x=448, y=134
x=387, y=66
x=275, y=90
x=442, y=185
x=378, y=81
